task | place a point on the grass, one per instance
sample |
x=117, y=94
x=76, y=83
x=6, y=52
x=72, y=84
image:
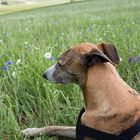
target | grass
x=12, y=8
x=26, y=99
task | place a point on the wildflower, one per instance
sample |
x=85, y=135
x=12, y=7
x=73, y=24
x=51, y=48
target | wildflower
x=126, y=30
x=37, y=48
x=26, y=29
x=100, y=39
x=48, y=56
x=121, y=59
x=1, y=41
x=134, y=59
x=108, y=25
x=137, y=58
x=8, y=62
x=130, y=59
x=51, y=58
x=18, y=61
x=7, y=33
x=14, y=74
x=130, y=49
x=89, y=28
x=5, y=68
x=25, y=42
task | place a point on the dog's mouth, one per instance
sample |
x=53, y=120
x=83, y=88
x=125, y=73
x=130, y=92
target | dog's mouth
x=55, y=81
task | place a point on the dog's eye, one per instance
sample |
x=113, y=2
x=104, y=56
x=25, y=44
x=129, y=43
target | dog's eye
x=58, y=64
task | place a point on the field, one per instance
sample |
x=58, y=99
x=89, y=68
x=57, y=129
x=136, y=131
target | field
x=26, y=99
x=23, y=5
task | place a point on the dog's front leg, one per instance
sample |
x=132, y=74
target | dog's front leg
x=64, y=131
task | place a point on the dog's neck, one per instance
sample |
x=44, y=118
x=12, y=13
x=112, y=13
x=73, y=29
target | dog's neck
x=104, y=90
x=108, y=99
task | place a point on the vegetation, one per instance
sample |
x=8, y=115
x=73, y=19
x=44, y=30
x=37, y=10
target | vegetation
x=26, y=99
x=12, y=6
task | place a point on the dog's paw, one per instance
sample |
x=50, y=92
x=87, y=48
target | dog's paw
x=29, y=132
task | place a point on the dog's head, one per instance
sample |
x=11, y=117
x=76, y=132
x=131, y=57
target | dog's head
x=73, y=64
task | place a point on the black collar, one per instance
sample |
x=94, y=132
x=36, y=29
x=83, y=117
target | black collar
x=82, y=131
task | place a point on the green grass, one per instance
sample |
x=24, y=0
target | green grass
x=12, y=8
x=28, y=100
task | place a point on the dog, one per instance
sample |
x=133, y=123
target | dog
x=111, y=105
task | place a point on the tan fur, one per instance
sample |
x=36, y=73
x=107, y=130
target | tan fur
x=110, y=104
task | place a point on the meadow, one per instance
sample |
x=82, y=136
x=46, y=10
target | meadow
x=18, y=5
x=26, y=99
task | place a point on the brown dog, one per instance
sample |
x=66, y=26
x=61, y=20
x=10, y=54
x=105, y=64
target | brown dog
x=110, y=104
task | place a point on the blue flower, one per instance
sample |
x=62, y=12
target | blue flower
x=134, y=59
x=89, y=28
x=5, y=68
x=130, y=49
x=8, y=62
x=126, y=30
x=137, y=58
x=7, y=33
x=130, y=59
x=51, y=58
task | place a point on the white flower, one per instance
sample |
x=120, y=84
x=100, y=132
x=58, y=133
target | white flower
x=37, y=48
x=14, y=74
x=1, y=41
x=26, y=29
x=100, y=39
x=18, y=61
x=121, y=59
x=48, y=55
x=25, y=42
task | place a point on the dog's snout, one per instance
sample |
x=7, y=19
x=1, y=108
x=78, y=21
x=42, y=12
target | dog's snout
x=45, y=75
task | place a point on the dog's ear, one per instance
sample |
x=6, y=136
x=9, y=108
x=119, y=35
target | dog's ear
x=106, y=53
x=110, y=51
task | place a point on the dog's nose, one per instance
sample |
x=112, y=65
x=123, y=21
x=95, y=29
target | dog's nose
x=45, y=75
